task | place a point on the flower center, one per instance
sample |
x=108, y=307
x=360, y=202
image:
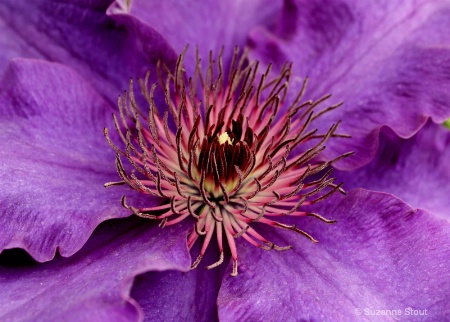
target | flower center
x=224, y=159
x=233, y=159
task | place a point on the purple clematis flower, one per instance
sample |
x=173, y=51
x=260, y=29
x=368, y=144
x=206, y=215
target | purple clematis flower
x=388, y=62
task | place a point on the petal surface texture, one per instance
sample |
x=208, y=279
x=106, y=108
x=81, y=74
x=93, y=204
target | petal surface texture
x=381, y=254
x=417, y=170
x=210, y=24
x=106, y=49
x=94, y=284
x=180, y=296
x=55, y=160
x=388, y=61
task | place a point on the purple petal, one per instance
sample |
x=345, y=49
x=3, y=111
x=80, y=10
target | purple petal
x=387, y=61
x=177, y=296
x=209, y=24
x=95, y=283
x=55, y=160
x=381, y=254
x=416, y=170
x=107, y=50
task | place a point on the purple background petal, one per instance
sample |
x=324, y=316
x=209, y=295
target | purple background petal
x=389, y=62
x=177, y=296
x=416, y=170
x=106, y=50
x=94, y=284
x=381, y=254
x=54, y=160
x=209, y=24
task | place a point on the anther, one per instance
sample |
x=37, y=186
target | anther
x=220, y=261
x=197, y=261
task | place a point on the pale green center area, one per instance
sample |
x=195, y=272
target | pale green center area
x=447, y=124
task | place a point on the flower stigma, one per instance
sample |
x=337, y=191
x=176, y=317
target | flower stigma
x=223, y=152
x=224, y=137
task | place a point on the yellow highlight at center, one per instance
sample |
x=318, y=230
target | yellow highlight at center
x=225, y=138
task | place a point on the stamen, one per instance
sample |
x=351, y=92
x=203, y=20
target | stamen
x=294, y=228
x=198, y=231
x=178, y=185
x=190, y=208
x=172, y=206
x=166, y=128
x=111, y=144
x=215, y=213
x=235, y=268
x=179, y=151
x=243, y=231
x=220, y=261
x=328, y=221
x=229, y=162
x=203, y=192
x=110, y=184
x=261, y=214
x=163, y=223
x=158, y=185
x=197, y=261
x=282, y=249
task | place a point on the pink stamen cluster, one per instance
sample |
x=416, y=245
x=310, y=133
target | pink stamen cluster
x=228, y=163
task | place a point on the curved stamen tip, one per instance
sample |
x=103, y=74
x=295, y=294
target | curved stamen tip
x=328, y=221
x=220, y=261
x=235, y=268
x=197, y=261
x=114, y=183
x=282, y=248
